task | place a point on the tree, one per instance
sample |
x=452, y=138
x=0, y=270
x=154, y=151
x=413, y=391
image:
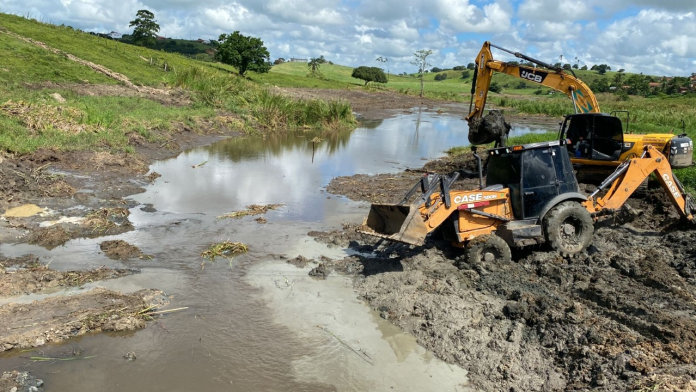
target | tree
x=575, y=66
x=471, y=66
x=441, y=76
x=466, y=74
x=459, y=68
x=435, y=70
x=369, y=74
x=583, y=68
x=567, y=67
x=314, y=65
x=421, y=62
x=495, y=87
x=146, y=28
x=244, y=53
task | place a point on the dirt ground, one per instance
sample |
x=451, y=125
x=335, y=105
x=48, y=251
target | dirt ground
x=58, y=318
x=19, y=382
x=27, y=275
x=618, y=317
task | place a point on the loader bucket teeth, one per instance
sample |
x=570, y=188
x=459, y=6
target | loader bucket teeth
x=402, y=223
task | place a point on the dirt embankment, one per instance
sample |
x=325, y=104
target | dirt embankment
x=27, y=275
x=59, y=318
x=621, y=316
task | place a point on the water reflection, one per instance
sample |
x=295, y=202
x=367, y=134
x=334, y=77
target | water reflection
x=286, y=169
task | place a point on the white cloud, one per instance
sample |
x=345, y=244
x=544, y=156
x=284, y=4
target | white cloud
x=459, y=16
x=650, y=36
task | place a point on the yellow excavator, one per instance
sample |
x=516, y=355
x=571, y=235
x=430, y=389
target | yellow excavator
x=531, y=197
x=596, y=139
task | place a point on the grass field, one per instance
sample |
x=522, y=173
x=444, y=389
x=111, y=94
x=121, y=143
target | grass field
x=30, y=74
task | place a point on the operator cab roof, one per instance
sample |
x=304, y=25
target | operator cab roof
x=588, y=114
x=523, y=147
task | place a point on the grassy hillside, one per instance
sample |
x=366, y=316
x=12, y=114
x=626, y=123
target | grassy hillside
x=48, y=100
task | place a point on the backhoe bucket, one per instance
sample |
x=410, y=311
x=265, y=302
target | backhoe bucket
x=402, y=223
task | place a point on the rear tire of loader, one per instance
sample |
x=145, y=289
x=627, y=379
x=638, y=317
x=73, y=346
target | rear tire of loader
x=486, y=249
x=568, y=228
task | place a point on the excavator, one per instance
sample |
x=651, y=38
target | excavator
x=531, y=197
x=597, y=139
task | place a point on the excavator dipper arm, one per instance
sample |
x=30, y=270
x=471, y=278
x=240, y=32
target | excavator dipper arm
x=630, y=174
x=581, y=95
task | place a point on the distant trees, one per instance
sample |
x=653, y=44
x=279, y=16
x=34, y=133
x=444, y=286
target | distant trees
x=583, y=68
x=421, y=61
x=435, y=70
x=146, y=28
x=471, y=66
x=601, y=68
x=369, y=74
x=441, y=76
x=459, y=68
x=466, y=74
x=279, y=60
x=244, y=53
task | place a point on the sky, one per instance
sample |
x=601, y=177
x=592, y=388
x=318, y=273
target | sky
x=655, y=37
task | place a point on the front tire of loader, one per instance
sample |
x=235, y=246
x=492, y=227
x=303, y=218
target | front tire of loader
x=568, y=228
x=486, y=249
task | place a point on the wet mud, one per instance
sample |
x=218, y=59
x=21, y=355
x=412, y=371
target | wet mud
x=58, y=318
x=26, y=275
x=618, y=317
x=15, y=381
x=121, y=250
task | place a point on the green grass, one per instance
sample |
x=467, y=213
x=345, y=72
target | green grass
x=30, y=74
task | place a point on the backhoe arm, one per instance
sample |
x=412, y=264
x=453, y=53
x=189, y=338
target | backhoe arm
x=630, y=174
x=581, y=95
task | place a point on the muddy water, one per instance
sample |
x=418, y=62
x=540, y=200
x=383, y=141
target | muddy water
x=254, y=323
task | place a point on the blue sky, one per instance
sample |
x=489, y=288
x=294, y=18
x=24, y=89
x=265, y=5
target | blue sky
x=656, y=37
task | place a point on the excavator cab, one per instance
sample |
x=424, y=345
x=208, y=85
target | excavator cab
x=593, y=136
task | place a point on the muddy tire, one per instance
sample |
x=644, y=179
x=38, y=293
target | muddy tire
x=568, y=228
x=486, y=249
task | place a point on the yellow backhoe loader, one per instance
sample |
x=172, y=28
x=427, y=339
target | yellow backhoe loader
x=597, y=140
x=531, y=197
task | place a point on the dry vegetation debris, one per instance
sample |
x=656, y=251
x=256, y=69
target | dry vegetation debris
x=40, y=118
x=253, y=209
x=224, y=249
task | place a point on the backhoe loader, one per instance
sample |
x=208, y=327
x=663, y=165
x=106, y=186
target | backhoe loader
x=597, y=140
x=531, y=197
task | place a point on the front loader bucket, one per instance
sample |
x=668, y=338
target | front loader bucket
x=402, y=223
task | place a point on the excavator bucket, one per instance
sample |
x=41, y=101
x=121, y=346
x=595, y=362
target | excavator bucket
x=402, y=223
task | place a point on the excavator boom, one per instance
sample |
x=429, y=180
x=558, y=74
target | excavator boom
x=487, y=130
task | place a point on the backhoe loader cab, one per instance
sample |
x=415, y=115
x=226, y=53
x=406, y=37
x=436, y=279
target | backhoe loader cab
x=536, y=174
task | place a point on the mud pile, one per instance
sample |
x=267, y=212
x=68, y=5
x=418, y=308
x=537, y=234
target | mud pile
x=58, y=318
x=26, y=275
x=620, y=316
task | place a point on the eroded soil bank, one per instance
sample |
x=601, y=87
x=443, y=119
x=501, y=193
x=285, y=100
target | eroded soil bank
x=621, y=316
